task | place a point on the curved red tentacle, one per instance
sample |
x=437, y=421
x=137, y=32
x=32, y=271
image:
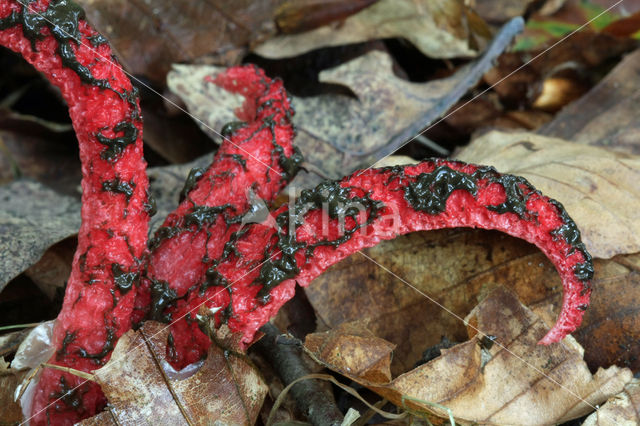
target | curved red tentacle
x=104, y=109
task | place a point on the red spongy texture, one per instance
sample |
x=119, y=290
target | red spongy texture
x=248, y=160
x=397, y=217
x=114, y=226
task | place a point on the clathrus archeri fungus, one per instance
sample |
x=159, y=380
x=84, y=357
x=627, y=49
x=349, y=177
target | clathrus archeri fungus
x=218, y=248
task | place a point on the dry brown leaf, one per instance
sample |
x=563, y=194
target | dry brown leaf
x=52, y=271
x=294, y=16
x=52, y=162
x=607, y=115
x=498, y=11
x=395, y=160
x=441, y=264
x=622, y=409
x=141, y=386
x=9, y=342
x=354, y=350
x=514, y=381
x=9, y=381
x=599, y=188
x=610, y=330
x=438, y=28
x=455, y=267
x=150, y=36
x=32, y=219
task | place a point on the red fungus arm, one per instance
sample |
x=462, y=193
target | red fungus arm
x=265, y=263
x=256, y=159
x=104, y=109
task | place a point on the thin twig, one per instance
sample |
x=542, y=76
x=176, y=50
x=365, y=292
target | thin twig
x=313, y=400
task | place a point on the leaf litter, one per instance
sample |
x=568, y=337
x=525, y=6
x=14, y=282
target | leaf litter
x=439, y=28
x=597, y=187
x=139, y=383
x=150, y=36
x=32, y=219
x=339, y=133
x=480, y=381
x=607, y=115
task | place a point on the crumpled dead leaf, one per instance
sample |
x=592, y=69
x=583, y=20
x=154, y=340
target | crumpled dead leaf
x=52, y=271
x=141, y=386
x=296, y=16
x=33, y=217
x=10, y=342
x=498, y=11
x=610, y=331
x=599, y=188
x=607, y=115
x=507, y=379
x=150, y=36
x=438, y=28
x=454, y=267
x=355, y=349
x=9, y=380
x=620, y=409
x=41, y=157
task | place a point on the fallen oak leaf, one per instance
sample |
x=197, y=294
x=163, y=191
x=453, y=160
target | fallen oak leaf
x=487, y=383
x=440, y=29
x=499, y=11
x=623, y=408
x=141, y=386
x=611, y=332
x=298, y=16
x=453, y=267
x=597, y=187
x=351, y=349
x=44, y=158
